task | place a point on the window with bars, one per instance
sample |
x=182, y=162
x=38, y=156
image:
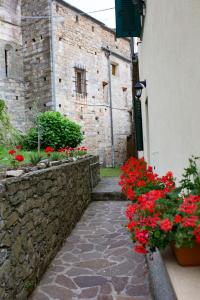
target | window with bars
x=80, y=81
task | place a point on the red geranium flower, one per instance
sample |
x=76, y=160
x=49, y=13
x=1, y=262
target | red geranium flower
x=177, y=219
x=11, y=152
x=49, y=149
x=166, y=225
x=189, y=221
x=18, y=147
x=130, y=194
x=19, y=158
x=140, y=249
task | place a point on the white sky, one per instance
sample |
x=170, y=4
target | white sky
x=107, y=17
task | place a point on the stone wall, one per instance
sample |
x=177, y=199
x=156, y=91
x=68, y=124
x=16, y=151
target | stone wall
x=11, y=61
x=37, y=212
x=78, y=44
x=36, y=56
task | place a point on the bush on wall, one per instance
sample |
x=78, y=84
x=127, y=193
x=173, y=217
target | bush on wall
x=8, y=134
x=55, y=130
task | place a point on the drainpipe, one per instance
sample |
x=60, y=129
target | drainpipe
x=135, y=78
x=107, y=53
x=52, y=55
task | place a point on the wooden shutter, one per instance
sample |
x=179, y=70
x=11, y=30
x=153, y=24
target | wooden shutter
x=138, y=124
x=128, y=18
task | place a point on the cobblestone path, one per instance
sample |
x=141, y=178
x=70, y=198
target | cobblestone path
x=97, y=261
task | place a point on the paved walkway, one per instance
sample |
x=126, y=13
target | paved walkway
x=97, y=261
x=108, y=189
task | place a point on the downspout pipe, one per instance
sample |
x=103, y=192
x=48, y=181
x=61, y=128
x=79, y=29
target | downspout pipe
x=52, y=55
x=107, y=53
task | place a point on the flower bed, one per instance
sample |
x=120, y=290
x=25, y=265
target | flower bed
x=160, y=213
x=17, y=159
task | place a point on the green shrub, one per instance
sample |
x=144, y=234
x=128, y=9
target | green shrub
x=8, y=134
x=55, y=131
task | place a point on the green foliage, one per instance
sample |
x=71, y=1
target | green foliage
x=190, y=182
x=35, y=158
x=8, y=134
x=56, y=156
x=55, y=130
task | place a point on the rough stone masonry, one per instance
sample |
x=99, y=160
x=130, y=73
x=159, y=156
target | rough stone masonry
x=37, y=212
x=60, y=63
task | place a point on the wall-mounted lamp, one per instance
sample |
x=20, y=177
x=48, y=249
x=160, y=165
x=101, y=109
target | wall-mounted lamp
x=139, y=87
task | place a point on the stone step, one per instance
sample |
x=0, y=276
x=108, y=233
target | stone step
x=108, y=189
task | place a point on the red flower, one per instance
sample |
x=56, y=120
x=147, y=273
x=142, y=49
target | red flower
x=11, y=152
x=142, y=236
x=61, y=150
x=130, y=194
x=19, y=158
x=49, y=149
x=189, y=221
x=18, y=147
x=130, y=211
x=166, y=225
x=177, y=219
x=140, y=249
x=197, y=234
x=132, y=225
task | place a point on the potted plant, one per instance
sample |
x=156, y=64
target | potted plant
x=169, y=216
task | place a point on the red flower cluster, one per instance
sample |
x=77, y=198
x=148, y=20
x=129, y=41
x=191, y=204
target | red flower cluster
x=17, y=157
x=11, y=152
x=49, y=149
x=137, y=178
x=158, y=213
x=189, y=205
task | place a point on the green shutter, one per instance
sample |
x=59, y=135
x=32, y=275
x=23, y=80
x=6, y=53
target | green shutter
x=138, y=124
x=128, y=18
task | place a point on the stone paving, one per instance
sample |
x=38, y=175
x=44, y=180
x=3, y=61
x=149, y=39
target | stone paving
x=108, y=189
x=97, y=261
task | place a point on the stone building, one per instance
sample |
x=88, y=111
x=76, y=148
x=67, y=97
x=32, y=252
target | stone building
x=66, y=57
x=11, y=60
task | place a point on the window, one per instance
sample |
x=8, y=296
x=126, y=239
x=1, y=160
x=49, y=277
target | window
x=9, y=57
x=105, y=91
x=80, y=81
x=77, y=19
x=114, y=69
x=125, y=96
x=6, y=62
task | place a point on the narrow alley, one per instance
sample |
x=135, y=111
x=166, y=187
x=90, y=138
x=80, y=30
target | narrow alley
x=97, y=261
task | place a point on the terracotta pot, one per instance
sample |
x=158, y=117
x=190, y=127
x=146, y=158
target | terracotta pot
x=187, y=256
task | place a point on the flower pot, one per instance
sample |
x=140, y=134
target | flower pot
x=187, y=256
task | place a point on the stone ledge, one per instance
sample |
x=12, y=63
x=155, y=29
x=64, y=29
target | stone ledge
x=159, y=278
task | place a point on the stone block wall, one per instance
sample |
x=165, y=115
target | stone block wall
x=11, y=61
x=79, y=40
x=36, y=38
x=37, y=212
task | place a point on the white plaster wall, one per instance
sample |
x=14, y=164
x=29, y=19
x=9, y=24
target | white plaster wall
x=170, y=62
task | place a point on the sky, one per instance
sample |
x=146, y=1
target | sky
x=107, y=17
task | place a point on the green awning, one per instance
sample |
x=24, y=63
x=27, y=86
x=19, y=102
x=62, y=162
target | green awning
x=128, y=18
